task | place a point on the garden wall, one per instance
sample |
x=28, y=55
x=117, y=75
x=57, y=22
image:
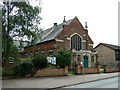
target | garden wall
x=51, y=72
x=87, y=70
x=90, y=70
x=111, y=69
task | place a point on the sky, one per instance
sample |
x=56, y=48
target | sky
x=101, y=16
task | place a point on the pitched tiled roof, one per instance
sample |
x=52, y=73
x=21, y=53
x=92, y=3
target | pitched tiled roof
x=51, y=33
x=114, y=47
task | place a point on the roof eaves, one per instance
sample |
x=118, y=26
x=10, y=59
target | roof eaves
x=114, y=47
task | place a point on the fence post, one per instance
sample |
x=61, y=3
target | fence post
x=78, y=69
x=98, y=68
x=65, y=71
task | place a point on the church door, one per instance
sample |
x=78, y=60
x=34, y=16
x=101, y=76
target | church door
x=85, y=63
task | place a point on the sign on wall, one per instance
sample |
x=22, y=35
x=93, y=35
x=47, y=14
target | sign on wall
x=51, y=59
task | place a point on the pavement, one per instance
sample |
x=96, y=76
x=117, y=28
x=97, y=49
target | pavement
x=55, y=82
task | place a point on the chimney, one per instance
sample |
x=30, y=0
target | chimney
x=86, y=27
x=64, y=20
x=55, y=24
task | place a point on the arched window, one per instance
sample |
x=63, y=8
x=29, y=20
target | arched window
x=76, y=42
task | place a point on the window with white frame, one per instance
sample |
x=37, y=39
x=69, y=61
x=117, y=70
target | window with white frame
x=42, y=52
x=11, y=59
x=76, y=42
x=36, y=52
x=31, y=54
x=26, y=55
x=51, y=52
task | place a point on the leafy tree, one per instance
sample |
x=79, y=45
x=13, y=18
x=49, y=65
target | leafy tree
x=20, y=22
x=63, y=58
x=14, y=52
x=40, y=61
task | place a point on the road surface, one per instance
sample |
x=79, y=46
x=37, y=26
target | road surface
x=106, y=83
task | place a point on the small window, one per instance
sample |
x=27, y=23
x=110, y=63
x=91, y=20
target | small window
x=92, y=58
x=11, y=59
x=42, y=52
x=51, y=52
x=117, y=55
x=78, y=58
x=26, y=55
x=36, y=52
x=31, y=54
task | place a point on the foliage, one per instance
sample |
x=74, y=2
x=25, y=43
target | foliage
x=14, y=52
x=23, y=68
x=6, y=70
x=40, y=61
x=23, y=59
x=63, y=58
x=20, y=22
x=71, y=72
x=101, y=70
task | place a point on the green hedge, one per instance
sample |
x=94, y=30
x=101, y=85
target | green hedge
x=23, y=68
x=6, y=70
x=40, y=61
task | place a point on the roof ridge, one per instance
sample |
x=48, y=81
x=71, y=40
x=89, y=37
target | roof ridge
x=110, y=44
x=115, y=47
x=60, y=23
x=54, y=27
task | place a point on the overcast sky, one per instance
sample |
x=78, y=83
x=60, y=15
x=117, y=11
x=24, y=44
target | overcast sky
x=101, y=15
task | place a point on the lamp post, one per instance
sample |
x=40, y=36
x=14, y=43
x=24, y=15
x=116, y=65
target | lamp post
x=82, y=63
x=82, y=60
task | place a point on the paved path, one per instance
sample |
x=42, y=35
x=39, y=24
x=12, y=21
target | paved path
x=53, y=82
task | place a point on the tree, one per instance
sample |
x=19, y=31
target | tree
x=63, y=58
x=20, y=22
x=40, y=61
x=14, y=52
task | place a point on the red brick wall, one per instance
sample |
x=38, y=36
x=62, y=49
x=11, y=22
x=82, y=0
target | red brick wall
x=87, y=70
x=111, y=69
x=46, y=46
x=7, y=64
x=74, y=27
x=90, y=70
x=51, y=72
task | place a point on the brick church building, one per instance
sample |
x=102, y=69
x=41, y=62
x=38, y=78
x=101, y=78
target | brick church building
x=70, y=35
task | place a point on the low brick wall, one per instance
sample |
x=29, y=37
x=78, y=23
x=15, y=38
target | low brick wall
x=90, y=70
x=51, y=72
x=87, y=70
x=111, y=69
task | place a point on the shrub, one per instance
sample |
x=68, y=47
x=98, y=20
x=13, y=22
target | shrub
x=63, y=58
x=23, y=68
x=23, y=59
x=6, y=70
x=40, y=61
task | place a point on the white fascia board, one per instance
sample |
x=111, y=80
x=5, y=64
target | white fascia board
x=90, y=44
x=59, y=40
